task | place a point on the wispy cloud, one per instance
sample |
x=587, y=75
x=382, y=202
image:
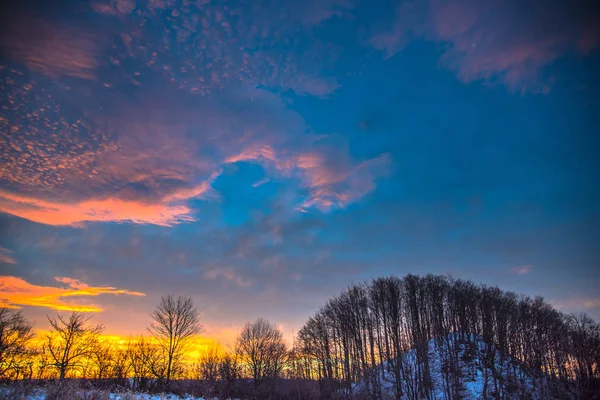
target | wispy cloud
x=522, y=270
x=5, y=256
x=331, y=182
x=53, y=49
x=332, y=187
x=507, y=42
x=107, y=210
x=16, y=292
x=227, y=274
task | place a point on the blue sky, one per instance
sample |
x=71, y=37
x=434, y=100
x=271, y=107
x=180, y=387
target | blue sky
x=260, y=156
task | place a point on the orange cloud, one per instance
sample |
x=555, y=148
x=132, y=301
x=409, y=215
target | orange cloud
x=166, y=212
x=16, y=292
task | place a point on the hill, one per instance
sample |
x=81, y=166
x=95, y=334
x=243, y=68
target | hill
x=460, y=367
x=436, y=337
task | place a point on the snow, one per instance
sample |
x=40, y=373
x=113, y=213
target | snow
x=472, y=375
x=145, y=396
x=39, y=394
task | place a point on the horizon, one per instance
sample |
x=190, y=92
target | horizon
x=260, y=157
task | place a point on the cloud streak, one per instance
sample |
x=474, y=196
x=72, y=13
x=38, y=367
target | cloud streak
x=108, y=210
x=5, y=256
x=522, y=270
x=53, y=50
x=16, y=292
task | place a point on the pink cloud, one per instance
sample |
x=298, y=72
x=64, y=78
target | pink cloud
x=91, y=153
x=522, y=270
x=5, y=256
x=331, y=188
x=507, y=42
x=331, y=182
x=314, y=85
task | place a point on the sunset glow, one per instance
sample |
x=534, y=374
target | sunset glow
x=258, y=157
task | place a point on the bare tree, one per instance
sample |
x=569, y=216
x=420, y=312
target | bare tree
x=262, y=347
x=71, y=341
x=174, y=321
x=15, y=333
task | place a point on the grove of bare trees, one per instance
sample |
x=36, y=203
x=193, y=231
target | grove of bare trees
x=399, y=333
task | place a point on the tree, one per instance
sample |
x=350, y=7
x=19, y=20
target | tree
x=174, y=321
x=15, y=333
x=261, y=345
x=71, y=342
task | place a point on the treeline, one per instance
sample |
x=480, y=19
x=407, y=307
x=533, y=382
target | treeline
x=413, y=335
x=404, y=338
x=75, y=351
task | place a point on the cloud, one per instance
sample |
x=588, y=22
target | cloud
x=16, y=292
x=49, y=48
x=107, y=210
x=163, y=110
x=331, y=182
x=333, y=187
x=128, y=163
x=522, y=270
x=314, y=12
x=227, y=274
x=507, y=42
x=5, y=256
x=577, y=304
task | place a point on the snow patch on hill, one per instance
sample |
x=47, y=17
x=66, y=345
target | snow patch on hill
x=462, y=366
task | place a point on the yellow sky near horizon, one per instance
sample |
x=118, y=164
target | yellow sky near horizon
x=72, y=295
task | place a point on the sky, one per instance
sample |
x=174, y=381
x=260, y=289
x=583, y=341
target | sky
x=260, y=156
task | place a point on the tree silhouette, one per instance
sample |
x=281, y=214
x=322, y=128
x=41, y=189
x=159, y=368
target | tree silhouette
x=71, y=341
x=174, y=321
x=15, y=333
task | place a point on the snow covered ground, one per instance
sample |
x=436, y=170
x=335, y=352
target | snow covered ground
x=471, y=376
x=143, y=396
x=39, y=394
